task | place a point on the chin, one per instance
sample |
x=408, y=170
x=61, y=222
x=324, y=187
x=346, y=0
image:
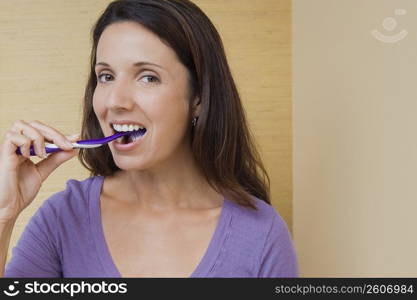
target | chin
x=128, y=163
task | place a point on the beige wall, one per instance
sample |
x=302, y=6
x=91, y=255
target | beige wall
x=355, y=149
x=43, y=67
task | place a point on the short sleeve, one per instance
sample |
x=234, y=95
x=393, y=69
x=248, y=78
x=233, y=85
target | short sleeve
x=36, y=254
x=278, y=257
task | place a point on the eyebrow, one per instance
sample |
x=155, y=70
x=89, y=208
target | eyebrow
x=137, y=64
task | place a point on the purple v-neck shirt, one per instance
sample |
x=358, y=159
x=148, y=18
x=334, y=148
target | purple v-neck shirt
x=65, y=238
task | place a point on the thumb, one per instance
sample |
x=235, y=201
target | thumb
x=49, y=164
x=74, y=137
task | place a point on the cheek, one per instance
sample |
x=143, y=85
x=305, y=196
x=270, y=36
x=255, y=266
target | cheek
x=98, y=107
x=170, y=116
x=172, y=104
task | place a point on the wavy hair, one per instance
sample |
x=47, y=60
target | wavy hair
x=221, y=141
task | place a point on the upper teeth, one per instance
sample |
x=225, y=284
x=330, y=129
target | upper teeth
x=125, y=127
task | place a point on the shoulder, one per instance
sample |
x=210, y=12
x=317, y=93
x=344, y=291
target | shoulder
x=75, y=197
x=265, y=236
x=256, y=244
x=252, y=228
x=258, y=221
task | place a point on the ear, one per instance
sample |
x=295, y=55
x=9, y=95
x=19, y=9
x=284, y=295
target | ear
x=196, y=107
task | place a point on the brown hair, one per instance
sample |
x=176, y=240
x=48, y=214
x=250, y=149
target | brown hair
x=221, y=141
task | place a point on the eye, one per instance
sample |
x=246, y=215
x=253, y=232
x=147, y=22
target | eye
x=105, y=77
x=99, y=77
x=150, y=79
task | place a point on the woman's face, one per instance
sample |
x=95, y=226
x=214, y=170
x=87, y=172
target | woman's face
x=142, y=81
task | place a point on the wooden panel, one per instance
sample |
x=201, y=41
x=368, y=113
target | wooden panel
x=257, y=38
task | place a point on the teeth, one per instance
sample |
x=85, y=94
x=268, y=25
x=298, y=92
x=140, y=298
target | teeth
x=126, y=127
x=134, y=136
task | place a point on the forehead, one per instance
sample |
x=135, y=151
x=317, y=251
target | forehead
x=130, y=42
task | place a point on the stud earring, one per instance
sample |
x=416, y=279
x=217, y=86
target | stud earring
x=194, y=121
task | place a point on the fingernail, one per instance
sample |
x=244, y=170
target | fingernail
x=69, y=144
x=73, y=136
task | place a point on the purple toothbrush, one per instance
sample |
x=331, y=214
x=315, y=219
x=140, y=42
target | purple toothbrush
x=51, y=148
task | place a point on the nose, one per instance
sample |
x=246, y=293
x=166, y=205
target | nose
x=120, y=96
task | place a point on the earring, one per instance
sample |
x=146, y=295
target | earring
x=194, y=121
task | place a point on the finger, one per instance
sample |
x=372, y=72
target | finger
x=73, y=138
x=33, y=134
x=12, y=141
x=46, y=166
x=52, y=134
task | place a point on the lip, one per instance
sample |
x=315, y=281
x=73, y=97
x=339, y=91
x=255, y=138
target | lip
x=128, y=147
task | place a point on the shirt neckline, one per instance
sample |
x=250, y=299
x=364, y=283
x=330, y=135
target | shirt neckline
x=203, y=268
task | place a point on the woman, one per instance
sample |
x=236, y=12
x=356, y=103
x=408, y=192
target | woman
x=184, y=200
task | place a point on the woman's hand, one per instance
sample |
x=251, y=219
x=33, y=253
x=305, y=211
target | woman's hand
x=20, y=178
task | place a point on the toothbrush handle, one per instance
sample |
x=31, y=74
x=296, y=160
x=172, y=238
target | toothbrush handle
x=32, y=150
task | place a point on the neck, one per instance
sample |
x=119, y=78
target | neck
x=175, y=184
